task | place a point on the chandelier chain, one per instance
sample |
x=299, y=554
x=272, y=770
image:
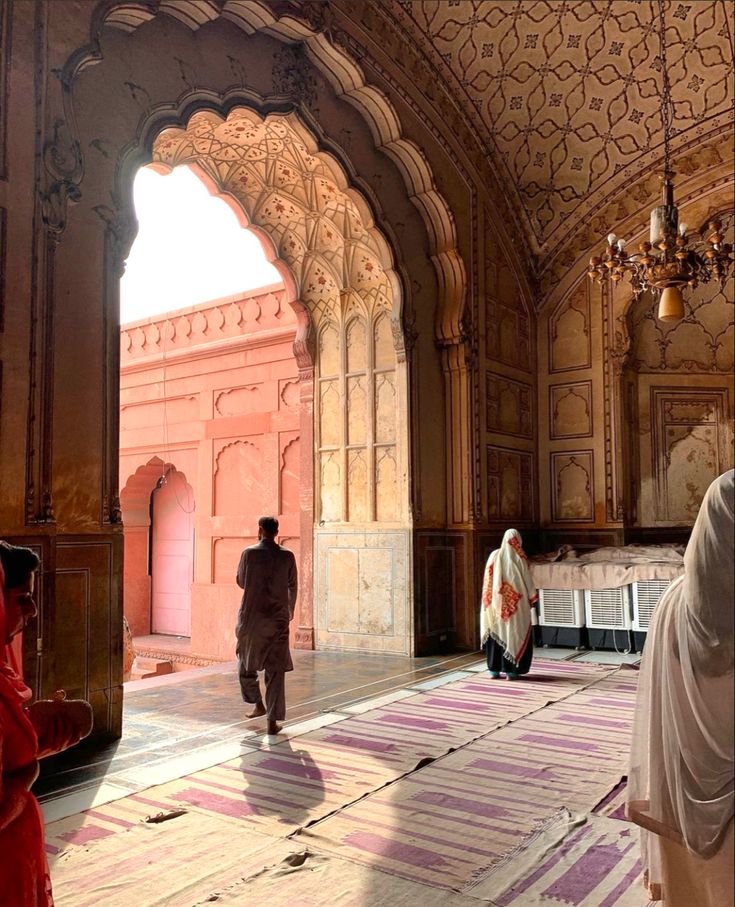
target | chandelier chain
x=668, y=261
x=667, y=105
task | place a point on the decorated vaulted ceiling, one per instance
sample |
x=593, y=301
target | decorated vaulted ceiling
x=565, y=94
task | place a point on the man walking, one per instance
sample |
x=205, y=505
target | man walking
x=267, y=574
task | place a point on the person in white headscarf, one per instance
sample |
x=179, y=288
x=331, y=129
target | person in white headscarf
x=508, y=595
x=680, y=783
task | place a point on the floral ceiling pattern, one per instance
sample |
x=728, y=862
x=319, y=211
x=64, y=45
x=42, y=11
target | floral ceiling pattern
x=566, y=93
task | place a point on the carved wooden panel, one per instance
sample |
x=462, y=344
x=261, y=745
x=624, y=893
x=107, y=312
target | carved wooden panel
x=570, y=409
x=510, y=484
x=509, y=406
x=688, y=448
x=569, y=332
x=83, y=631
x=573, y=486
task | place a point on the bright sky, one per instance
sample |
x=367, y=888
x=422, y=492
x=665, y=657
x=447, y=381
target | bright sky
x=189, y=249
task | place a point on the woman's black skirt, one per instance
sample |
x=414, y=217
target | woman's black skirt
x=500, y=665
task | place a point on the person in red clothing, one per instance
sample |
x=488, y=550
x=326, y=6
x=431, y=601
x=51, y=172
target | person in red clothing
x=27, y=733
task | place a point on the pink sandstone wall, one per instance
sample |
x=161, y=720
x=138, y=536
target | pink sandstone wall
x=210, y=392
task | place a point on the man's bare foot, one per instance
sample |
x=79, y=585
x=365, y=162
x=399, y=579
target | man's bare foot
x=257, y=712
x=274, y=728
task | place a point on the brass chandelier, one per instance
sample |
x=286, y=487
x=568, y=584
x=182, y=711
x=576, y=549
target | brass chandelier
x=666, y=262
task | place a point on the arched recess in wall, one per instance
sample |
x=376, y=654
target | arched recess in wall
x=107, y=132
x=678, y=395
x=157, y=505
x=338, y=273
x=310, y=29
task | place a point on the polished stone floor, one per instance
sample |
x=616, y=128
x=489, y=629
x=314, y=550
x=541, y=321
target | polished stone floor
x=171, y=717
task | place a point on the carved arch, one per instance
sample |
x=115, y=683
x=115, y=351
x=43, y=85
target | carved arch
x=347, y=78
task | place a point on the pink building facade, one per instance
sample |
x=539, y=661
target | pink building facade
x=210, y=428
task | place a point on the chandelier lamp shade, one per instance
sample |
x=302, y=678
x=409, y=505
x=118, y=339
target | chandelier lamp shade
x=668, y=262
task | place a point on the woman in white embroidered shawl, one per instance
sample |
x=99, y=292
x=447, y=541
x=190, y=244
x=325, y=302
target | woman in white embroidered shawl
x=508, y=594
x=680, y=788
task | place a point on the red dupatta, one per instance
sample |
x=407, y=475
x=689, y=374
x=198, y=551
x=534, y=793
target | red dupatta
x=23, y=864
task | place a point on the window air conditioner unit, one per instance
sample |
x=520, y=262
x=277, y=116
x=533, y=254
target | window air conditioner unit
x=608, y=609
x=646, y=595
x=561, y=607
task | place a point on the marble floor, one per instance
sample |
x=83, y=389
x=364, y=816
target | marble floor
x=192, y=720
x=192, y=715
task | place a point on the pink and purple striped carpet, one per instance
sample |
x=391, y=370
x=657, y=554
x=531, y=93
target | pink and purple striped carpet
x=498, y=761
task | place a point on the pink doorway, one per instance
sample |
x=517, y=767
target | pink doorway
x=172, y=555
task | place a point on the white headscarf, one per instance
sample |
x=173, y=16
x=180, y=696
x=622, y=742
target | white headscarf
x=507, y=595
x=681, y=769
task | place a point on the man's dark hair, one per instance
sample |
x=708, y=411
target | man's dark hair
x=269, y=525
x=18, y=564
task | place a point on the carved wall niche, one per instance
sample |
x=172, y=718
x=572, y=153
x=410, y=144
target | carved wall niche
x=288, y=395
x=570, y=406
x=226, y=551
x=509, y=406
x=510, y=484
x=508, y=334
x=238, y=481
x=570, y=345
x=572, y=486
x=289, y=478
x=688, y=448
x=241, y=400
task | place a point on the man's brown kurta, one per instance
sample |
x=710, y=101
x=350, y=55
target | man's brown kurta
x=267, y=574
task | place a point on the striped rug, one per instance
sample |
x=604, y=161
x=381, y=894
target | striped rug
x=344, y=811
x=450, y=822
x=585, y=861
x=281, y=788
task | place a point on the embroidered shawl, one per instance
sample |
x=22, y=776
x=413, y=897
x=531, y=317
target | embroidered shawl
x=507, y=595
